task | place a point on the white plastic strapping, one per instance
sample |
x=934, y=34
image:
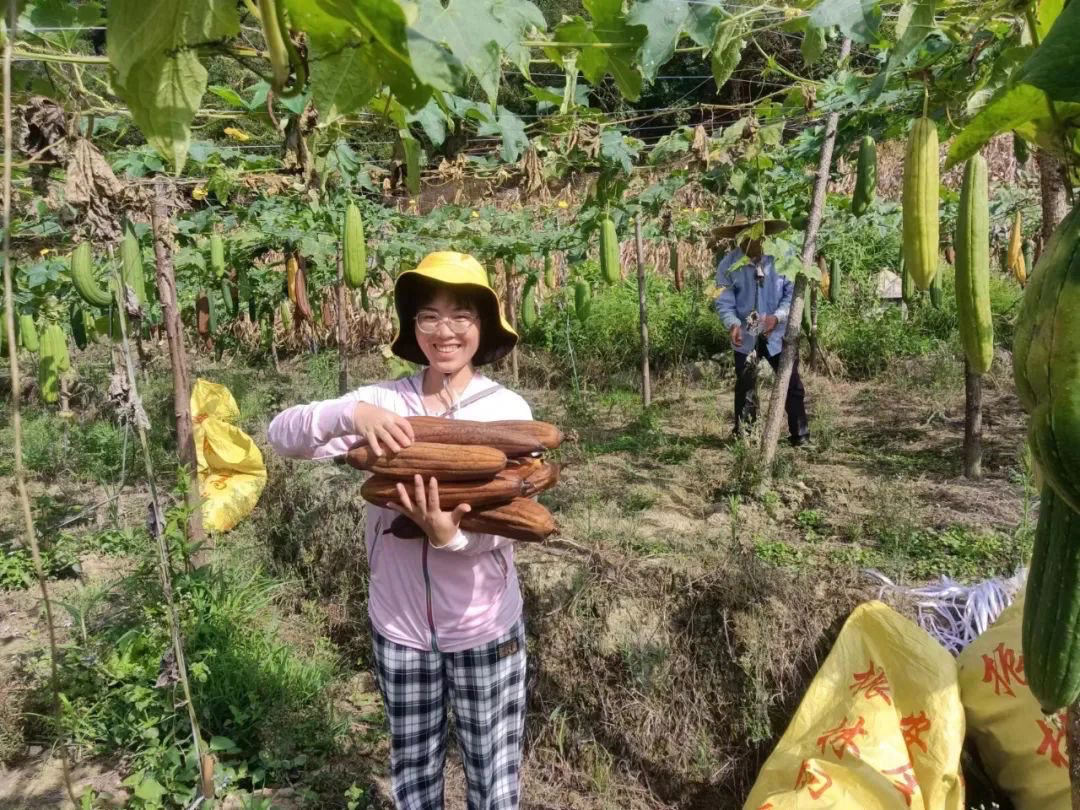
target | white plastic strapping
x=956, y=614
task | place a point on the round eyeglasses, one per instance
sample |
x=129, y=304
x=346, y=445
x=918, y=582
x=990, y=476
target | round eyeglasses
x=428, y=322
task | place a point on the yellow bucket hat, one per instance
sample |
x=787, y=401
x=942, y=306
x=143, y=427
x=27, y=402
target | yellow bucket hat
x=445, y=267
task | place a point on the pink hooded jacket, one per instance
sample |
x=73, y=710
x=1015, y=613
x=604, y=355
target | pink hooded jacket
x=419, y=596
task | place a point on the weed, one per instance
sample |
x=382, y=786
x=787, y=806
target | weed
x=779, y=553
x=263, y=703
x=638, y=499
x=957, y=551
x=11, y=724
x=17, y=566
x=645, y=664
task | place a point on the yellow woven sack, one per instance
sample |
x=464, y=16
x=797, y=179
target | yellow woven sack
x=1022, y=749
x=880, y=728
x=231, y=470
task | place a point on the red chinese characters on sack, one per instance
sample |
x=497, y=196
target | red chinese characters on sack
x=1003, y=668
x=843, y=737
x=873, y=683
x=913, y=727
x=813, y=779
x=1053, y=741
x=767, y=806
x=904, y=782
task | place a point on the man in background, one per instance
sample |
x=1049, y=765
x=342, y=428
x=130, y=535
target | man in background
x=754, y=304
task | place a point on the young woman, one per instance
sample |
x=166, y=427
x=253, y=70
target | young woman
x=445, y=610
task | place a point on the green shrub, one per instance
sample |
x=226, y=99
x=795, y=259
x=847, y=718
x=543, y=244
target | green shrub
x=263, y=703
x=682, y=327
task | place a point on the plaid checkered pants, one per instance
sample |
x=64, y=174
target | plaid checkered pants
x=486, y=687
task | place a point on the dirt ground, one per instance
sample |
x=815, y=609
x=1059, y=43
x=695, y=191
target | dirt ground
x=674, y=620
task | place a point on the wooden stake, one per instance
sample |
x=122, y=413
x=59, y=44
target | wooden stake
x=771, y=433
x=170, y=310
x=643, y=319
x=972, y=423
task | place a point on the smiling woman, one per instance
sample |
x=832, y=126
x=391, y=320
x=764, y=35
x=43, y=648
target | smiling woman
x=445, y=608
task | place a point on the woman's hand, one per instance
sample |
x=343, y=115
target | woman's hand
x=424, y=510
x=380, y=426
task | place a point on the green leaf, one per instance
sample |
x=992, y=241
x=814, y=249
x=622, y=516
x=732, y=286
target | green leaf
x=229, y=96
x=705, y=17
x=813, y=45
x=1016, y=106
x=917, y=27
x=52, y=14
x=1046, y=13
x=149, y=789
x=726, y=53
x=479, y=32
x=664, y=21
x=618, y=150
x=857, y=19
x=155, y=71
x=219, y=743
x=903, y=17
x=343, y=82
x=512, y=131
x=617, y=41
x=1055, y=65
x=333, y=24
x=432, y=120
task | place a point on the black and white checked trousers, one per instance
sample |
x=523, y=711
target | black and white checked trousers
x=486, y=688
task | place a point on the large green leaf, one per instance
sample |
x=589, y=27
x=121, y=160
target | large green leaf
x=607, y=44
x=512, y=131
x=726, y=53
x=156, y=72
x=705, y=17
x=344, y=81
x=1046, y=12
x=918, y=24
x=857, y=19
x=1055, y=65
x=479, y=32
x=664, y=20
x=380, y=26
x=432, y=120
x=1011, y=108
x=813, y=45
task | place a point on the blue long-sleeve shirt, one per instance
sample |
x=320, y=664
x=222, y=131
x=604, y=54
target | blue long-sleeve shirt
x=742, y=295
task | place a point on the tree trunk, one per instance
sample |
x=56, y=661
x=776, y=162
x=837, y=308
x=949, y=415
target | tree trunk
x=643, y=320
x=342, y=331
x=972, y=424
x=676, y=265
x=813, y=327
x=774, y=422
x=511, y=312
x=1052, y=184
x=170, y=311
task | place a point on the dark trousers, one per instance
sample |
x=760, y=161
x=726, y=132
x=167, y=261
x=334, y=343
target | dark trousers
x=746, y=404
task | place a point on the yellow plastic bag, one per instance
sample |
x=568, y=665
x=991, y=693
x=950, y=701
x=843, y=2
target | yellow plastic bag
x=1022, y=749
x=231, y=470
x=880, y=728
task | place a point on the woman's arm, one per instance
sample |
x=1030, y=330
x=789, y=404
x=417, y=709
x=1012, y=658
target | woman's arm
x=318, y=429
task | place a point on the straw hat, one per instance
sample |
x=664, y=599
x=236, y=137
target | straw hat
x=741, y=223
x=497, y=337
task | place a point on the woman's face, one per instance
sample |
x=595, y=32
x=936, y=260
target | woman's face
x=446, y=350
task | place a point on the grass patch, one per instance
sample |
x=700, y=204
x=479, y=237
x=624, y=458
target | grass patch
x=262, y=689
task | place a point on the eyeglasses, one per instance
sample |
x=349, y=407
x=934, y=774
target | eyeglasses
x=428, y=322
